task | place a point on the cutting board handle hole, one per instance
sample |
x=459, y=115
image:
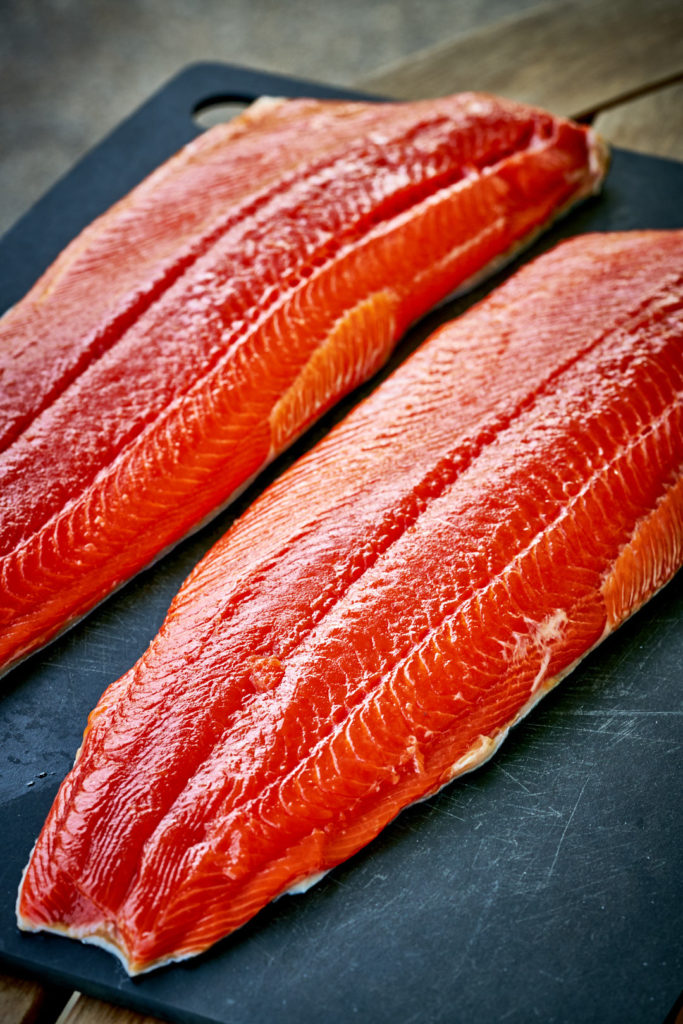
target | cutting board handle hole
x=218, y=110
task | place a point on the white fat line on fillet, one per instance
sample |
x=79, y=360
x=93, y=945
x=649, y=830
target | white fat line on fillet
x=257, y=203
x=283, y=300
x=485, y=747
x=295, y=177
x=21, y=658
x=178, y=402
x=481, y=751
x=348, y=248
x=646, y=431
x=561, y=516
x=458, y=248
x=598, y=164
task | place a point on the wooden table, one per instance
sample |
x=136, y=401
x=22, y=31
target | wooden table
x=617, y=64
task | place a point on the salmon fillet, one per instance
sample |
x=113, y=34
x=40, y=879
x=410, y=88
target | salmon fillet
x=380, y=617
x=192, y=332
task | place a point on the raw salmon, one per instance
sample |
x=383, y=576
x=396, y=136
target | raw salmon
x=191, y=333
x=382, y=615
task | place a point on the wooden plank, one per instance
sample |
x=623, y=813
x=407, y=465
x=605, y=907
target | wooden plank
x=573, y=57
x=20, y=1000
x=652, y=123
x=84, y=1010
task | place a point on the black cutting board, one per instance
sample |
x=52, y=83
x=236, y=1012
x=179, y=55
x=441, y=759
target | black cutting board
x=545, y=886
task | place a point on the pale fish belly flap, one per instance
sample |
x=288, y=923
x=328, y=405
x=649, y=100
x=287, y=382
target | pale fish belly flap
x=357, y=345
x=649, y=560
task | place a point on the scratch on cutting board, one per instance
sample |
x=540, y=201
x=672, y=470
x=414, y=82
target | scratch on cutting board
x=514, y=779
x=566, y=827
x=636, y=712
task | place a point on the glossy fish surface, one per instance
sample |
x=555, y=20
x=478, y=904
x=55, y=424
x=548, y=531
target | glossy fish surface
x=191, y=333
x=380, y=617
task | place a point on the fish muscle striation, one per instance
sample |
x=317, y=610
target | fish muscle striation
x=379, y=618
x=190, y=334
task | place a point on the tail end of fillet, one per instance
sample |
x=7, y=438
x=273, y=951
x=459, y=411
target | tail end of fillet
x=38, y=913
x=104, y=935
x=599, y=159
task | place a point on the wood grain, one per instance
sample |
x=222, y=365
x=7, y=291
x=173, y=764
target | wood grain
x=573, y=57
x=84, y=1010
x=20, y=1000
x=651, y=124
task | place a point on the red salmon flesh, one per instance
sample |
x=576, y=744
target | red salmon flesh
x=380, y=617
x=192, y=332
